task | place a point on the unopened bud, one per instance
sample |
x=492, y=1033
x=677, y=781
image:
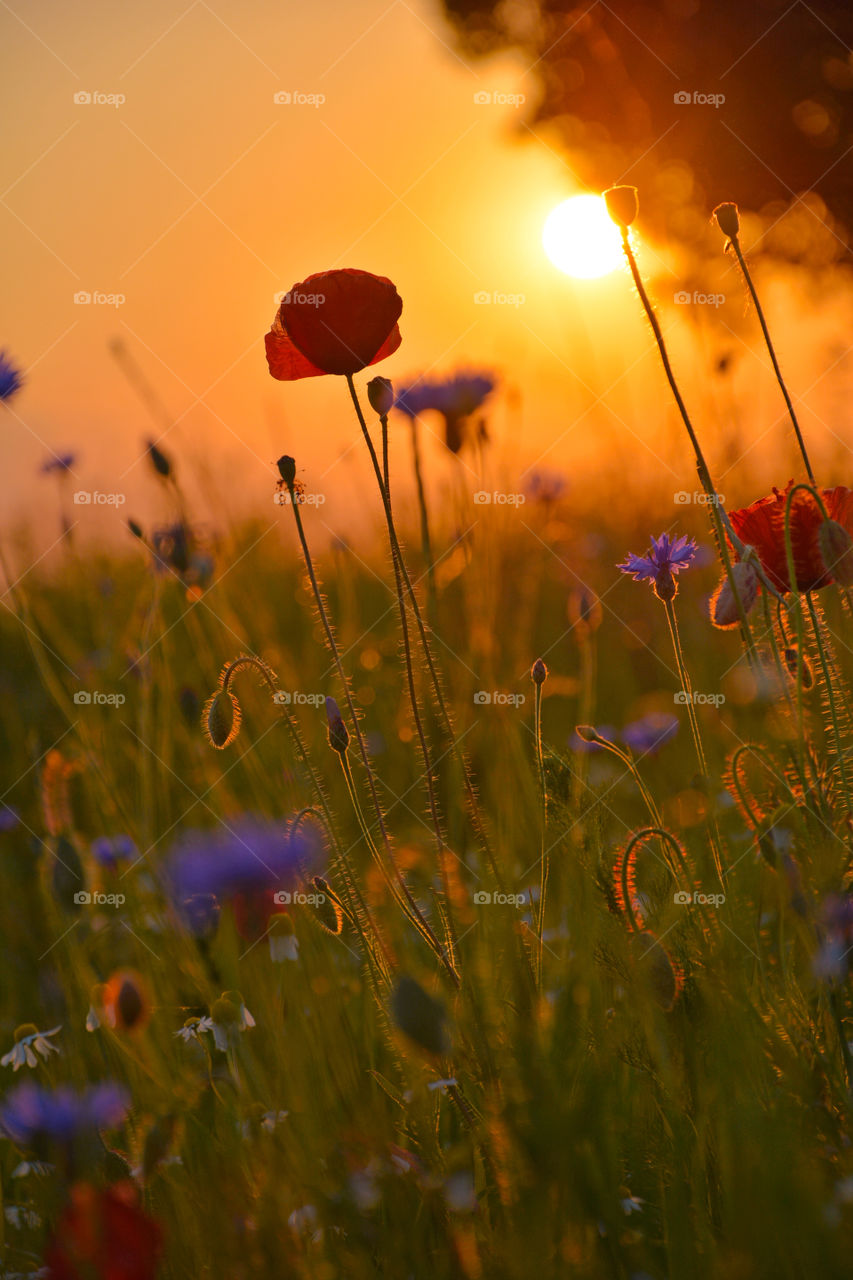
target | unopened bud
x=135, y=529
x=159, y=461
x=622, y=205
x=221, y=719
x=665, y=586
x=724, y=603
x=727, y=219
x=539, y=672
x=338, y=732
x=836, y=550
x=380, y=393
x=287, y=469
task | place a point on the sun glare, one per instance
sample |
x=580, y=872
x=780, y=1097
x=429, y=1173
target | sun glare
x=580, y=239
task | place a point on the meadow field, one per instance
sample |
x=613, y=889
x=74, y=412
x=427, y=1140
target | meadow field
x=465, y=899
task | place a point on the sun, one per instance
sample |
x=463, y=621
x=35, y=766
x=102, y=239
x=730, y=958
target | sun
x=580, y=239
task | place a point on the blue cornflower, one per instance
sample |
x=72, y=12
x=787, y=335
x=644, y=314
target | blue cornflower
x=9, y=818
x=61, y=462
x=250, y=855
x=110, y=850
x=661, y=562
x=11, y=379
x=31, y=1111
x=455, y=398
x=648, y=734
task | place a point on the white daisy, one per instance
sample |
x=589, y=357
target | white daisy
x=29, y=1041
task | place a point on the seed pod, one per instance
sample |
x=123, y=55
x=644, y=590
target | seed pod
x=727, y=218
x=419, y=1016
x=221, y=719
x=622, y=205
x=586, y=733
x=539, y=672
x=836, y=551
x=380, y=393
x=724, y=609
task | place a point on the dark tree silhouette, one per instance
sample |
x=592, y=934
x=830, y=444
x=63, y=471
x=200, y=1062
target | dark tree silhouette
x=611, y=78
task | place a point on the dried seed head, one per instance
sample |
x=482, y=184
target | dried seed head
x=380, y=393
x=159, y=461
x=724, y=608
x=287, y=469
x=338, y=732
x=727, y=219
x=221, y=719
x=622, y=205
x=836, y=550
x=419, y=1016
x=791, y=656
x=539, y=672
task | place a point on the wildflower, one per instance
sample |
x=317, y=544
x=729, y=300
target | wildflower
x=229, y=1017
x=380, y=393
x=283, y=942
x=98, y=1014
x=60, y=463
x=126, y=1001
x=647, y=735
x=11, y=379
x=31, y=1112
x=587, y=737
x=103, y=1233
x=727, y=218
x=661, y=563
x=221, y=719
x=456, y=398
x=248, y=855
x=539, y=672
x=724, y=606
x=338, y=732
x=584, y=610
x=545, y=486
x=28, y=1042
x=762, y=525
x=334, y=322
x=109, y=851
x=622, y=205
x=193, y=1028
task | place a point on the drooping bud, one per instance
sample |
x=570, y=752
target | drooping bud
x=836, y=550
x=159, y=461
x=380, y=393
x=622, y=205
x=727, y=219
x=328, y=911
x=724, y=606
x=338, y=732
x=419, y=1016
x=287, y=469
x=539, y=672
x=221, y=719
x=792, y=662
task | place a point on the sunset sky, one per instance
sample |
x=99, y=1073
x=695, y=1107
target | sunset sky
x=186, y=190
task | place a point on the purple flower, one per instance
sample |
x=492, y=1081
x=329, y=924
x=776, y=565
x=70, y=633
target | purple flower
x=110, y=850
x=545, y=485
x=11, y=379
x=648, y=734
x=249, y=855
x=200, y=914
x=662, y=561
x=455, y=398
x=60, y=462
x=31, y=1111
x=9, y=818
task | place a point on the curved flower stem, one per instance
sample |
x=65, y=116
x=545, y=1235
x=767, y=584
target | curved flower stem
x=413, y=911
x=443, y=901
x=543, y=821
x=720, y=520
x=473, y=806
x=735, y=243
x=687, y=690
x=631, y=766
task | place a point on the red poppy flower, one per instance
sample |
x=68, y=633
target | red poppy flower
x=762, y=525
x=334, y=322
x=104, y=1234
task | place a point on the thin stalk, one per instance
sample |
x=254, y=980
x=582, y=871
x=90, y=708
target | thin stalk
x=426, y=542
x=735, y=243
x=687, y=690
x=543, y=820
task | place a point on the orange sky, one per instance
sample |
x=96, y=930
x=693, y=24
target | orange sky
x=198, y=197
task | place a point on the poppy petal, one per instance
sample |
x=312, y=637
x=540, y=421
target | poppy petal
x=334, y=322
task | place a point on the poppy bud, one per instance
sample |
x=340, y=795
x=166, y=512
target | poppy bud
x=159, y=461
x=221, y=719
x=727, y=219
x=287, y=469
x=126, y=1002
x=135, y=529
x=328, y=912
x=586, y=733
x=539, y=672
x=338, y=732
x=724, y=607
x=419, y=1016
x=621, y=205
x=380, y=393
x=836, y=549
x=791, y=656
